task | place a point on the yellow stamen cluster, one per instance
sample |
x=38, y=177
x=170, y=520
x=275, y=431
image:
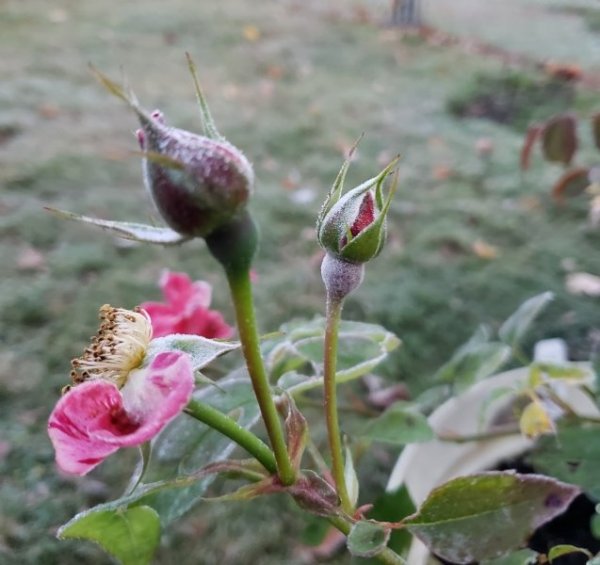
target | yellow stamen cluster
x=118, y=348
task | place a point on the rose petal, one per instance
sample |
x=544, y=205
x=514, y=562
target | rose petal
x=202, y=294
x=76, y=414
x=94, y=419
x=207, y=323
x=177, y=289
x=164, y=318
x=153, y=396
x=186, y=310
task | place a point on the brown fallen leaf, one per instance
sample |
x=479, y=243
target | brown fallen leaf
x=484, y=250
x=251, y=33
x=441, y=172
x=31, y=259
x=48, y=111
x=583, y=284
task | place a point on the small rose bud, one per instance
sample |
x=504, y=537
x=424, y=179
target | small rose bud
x=201, y=183
x=352, y=227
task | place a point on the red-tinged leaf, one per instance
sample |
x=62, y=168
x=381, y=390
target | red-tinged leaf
x=559, y=139
x=245, y=468
x=596, y=129
x=571, y=183
x=297, y=432
x=532, y=135
x=315, y=495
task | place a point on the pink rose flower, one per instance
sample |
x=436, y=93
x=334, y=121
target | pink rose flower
x=186, y=309
x=119, y=397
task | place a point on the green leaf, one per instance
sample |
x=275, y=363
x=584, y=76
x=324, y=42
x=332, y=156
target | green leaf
x=484, y=516
x=400, y=424
x=566, y=549
x=516, y=326
x=570, y=373
x=208, y=124
x=473, y=362
x=201, y=350
x=392, y=507
x=559, y=139
x=367, y=539
x=129, y=534
x=522, y=557
x=141, y=233
x=361, y=348
x=572, y=456
x=186, y=445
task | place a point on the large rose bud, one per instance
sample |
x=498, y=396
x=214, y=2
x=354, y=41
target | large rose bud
x=197, y=183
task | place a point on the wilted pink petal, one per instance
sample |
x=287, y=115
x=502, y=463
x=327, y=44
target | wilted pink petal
x=95, y=418
x=186, y=309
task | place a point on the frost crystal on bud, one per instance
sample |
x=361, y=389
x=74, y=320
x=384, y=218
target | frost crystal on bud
x=352, y=227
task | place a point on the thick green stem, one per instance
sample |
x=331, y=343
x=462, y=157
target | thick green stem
x=230, y=428
x=386, y=555
x=241, y=292
x=334, y=312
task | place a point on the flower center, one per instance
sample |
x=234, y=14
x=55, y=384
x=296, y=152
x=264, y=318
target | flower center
x=118, y=348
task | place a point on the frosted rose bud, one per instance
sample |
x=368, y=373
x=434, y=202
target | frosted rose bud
x=197, y=183
x=352, y=227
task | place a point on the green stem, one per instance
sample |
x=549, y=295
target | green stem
x=230, y=428
x=241, y=292
x=386, y=555
x=334, y=312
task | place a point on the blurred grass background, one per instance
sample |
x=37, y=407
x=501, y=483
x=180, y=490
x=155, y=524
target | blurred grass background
x=293, y=83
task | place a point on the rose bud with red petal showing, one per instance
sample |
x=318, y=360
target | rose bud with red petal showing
x=351, y=229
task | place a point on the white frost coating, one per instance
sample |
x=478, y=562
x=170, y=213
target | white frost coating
x=340, y=277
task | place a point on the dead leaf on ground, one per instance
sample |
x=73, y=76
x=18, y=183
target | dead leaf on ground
x=48, y=111
x=442, y=172
x=484, y=250
x=251, y=33
x=583, y=284
x=30, y=259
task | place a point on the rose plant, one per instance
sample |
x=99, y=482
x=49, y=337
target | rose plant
x=139, y=381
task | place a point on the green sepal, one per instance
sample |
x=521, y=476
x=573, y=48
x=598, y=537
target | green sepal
x=208, y=124
x=142, y=233
x=201, y=350
x=336, y=190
